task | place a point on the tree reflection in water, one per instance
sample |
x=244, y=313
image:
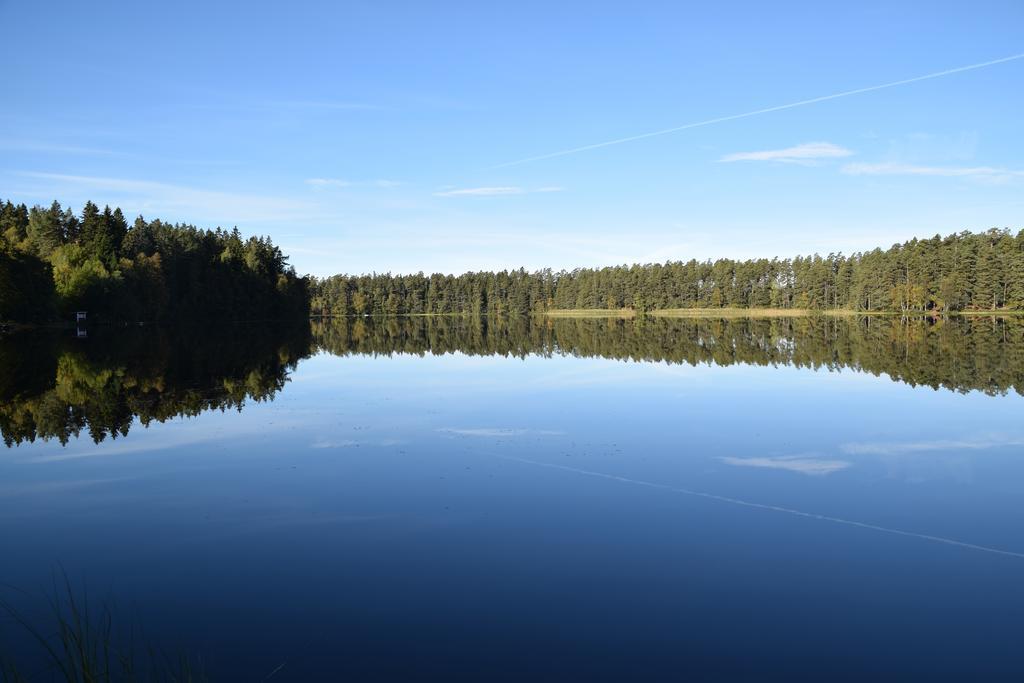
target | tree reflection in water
x=56, y=386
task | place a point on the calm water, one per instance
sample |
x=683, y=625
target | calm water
x=447, y=499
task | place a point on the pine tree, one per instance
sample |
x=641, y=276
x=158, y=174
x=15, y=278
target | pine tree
x=45, y=230
x=91, y=234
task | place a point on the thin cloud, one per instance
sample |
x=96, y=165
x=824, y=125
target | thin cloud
x=757, y=112
x=493, y=432
x=58, y=486
x=485, y=432
x=891, y=168
x=326, y=443
x=480, y=192
x=341, y=182
x=903, y=447
x=810, y=466
x=493, y=191
x=328, y=182
x=806, y=152
x=764, y=506
x=51, y=148
x=175, y=433
x=147, y=196
x=320, y=104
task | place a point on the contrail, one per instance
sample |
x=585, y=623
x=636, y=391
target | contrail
x=764, y=506
x=733, y=117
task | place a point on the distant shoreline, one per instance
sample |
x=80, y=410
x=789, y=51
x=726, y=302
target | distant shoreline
x=629, y=313
x=626, y=313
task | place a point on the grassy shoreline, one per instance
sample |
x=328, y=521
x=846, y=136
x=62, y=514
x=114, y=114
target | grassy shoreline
x=591, y=313
x=737, y=312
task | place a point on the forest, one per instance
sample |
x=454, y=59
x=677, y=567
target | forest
x=54, y=262
x=961, y=272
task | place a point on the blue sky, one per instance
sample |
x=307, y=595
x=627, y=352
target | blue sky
x=377, y=136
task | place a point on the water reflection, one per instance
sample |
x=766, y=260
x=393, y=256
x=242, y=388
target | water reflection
x=56, y=386
x=394, y=501
x=961, y=354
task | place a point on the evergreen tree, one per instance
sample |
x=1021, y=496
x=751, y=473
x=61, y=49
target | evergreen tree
x=45, y=230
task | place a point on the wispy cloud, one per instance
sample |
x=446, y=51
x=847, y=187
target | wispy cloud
x=806, y=152
x=893, y=168
x=321, y=104
x=486, y=431
x=901, y=447
x=766, y=507
x=189, y=434
x=328, y=182
x=58, y=486
x=498, y=432
x=766, y=110
x=187, y=202
x=52, y=148
x=480, y=192
x=811, y=466
x=494, y=191
x=321, y=444
x=327, y=443
x=341, y=182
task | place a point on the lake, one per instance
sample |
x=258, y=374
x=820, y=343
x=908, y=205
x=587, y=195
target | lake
x=818, y=498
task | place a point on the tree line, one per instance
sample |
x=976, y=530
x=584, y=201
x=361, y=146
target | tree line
x=53, y=262
x=959, y=272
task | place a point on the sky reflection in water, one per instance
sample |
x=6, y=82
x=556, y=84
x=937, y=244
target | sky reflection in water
x=463, y=515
